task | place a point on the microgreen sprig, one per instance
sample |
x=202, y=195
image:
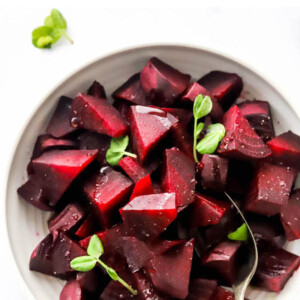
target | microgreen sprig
x=241, y=234
x=88, y=262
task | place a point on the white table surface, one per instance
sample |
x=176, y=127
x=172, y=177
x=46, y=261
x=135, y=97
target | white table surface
x=267, y=39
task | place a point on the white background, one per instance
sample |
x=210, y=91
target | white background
x=264, y=37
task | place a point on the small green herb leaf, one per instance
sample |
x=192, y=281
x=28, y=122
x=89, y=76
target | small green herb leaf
x=83, y=263
x=42, y=37
x=112, y=273
x=199, y=128
x=58, y=19
x=202, y=106
x=241, y=234
x=95, y=247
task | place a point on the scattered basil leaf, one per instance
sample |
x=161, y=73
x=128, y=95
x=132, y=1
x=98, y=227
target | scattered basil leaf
x=95, y=247
x=112, y=273
x=83, y=263
x=241, y=234
x=42, y=37
x=199, y=128
x=58, y=19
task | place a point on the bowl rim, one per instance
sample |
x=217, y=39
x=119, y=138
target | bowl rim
x=24, y=288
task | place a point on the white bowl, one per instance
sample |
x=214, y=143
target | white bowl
x=29, y=225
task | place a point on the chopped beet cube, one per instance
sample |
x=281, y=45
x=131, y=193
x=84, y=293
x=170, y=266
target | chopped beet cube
x=241, y=141
x=147, y=216
x=72, y=291
x=275, y=267
x=96, y=90
x=87, y=227
x=98, y=115
x=222, y=294
x=202, y=289
x=170, y=272
x=53, y=256
x=148, y=127
x=286, y=149
x=178, y=176
x=213, y=171
x=58, y=168
x=59, y=125
x=290, y=217
x=142, y=187
x=107, y=191
x=270, y=189
x=223, y=260
x=162, y=83
x=89, y=281
x=259, y=116
x=225, y=87
x=132, y=91
x=206, y=210
x=123, y=108
x=182, y=115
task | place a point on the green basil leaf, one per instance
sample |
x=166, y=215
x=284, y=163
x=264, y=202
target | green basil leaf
x=58, y=19
x=217, y=128
x=199, y=128
x=241, y=234
x=202, y=106
x=112, y=157
x=95, y=247
x=41, y=37
x=119, y=144
x=83, y=263
x=49, y=22
x=208, y=144
x=112, y=273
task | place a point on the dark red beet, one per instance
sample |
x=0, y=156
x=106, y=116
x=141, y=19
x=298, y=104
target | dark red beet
x=107, y=191
x=96, y=90
x=87, y=227
x=213, y=171
x=162, y=83
x=89, y=281
x=98, y=115
x=170, y=272
x=182, y=115
x=132, y=91
x=142, y=187
x=178, y=176
x=123, y=108
x=275, y=267
x=182, y=139
x=241, y=141
x=223, y=260
x=72, y=291
x=258, y=114
x=59, y=125
x=147, y=216
x=202, y=289
x=222, y=294
x=53, y=256
x=157, y=189
x=148, y=127
x=270, y=189
x=286, y=149
x=206, y=210
x=225, y=87
x=58, y=168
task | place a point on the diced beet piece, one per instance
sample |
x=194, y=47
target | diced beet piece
x=182, y=115
x=147, y=216
x=270, y=189
x=123, y=108
x=286, y=149
x=222, y=294
x=223, y=260
x=179, y=176
x=132, y=91
x=87, y=227
x=170, y=272
x=98, y=115
x=72, y=291
x=89, y=281
x=202, y=289
x=142, y=187
x=225, y=87
x=206, y=210
x=70, y=216
x=157, y=189
x=213, y=171
x=290, y=217
x=148, y=127
x=162, y=83
x=58, y=168
x=135, y=170
x=53, y=256
x=275, y=267
x=107, y=191
x=32, y=192
x=241, y=141
x=59, y=125
x=96, y=90
x=259, y=116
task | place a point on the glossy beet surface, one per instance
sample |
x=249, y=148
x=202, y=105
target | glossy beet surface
x=202, y=289
x=72, y=291
x=96, y=90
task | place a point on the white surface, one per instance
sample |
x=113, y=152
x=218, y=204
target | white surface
x=267, y=39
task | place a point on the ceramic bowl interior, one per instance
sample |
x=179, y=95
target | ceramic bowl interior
x=29, y=225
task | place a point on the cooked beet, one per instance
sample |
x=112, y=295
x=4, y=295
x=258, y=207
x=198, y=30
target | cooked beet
x=270, y=189
x=241, y=141
x=207, y=211
x=142, y=187
x=148, y=127
x=182, y=139
x=286, y=149
x=87, y=227
x=90, y=281
x=96, y=90
x=98, y=115
x=58, y=168
x=147, y=216
x=202, y=289
x=222, y=294
x=132, y=91
x=107, y=191
x=162, y=83
x=225, y=87
x=213, y=171
x=123, y=108
x=182, y=115
x=72, y=291
x=59, y=125
x=178, y=176
x=170, y=272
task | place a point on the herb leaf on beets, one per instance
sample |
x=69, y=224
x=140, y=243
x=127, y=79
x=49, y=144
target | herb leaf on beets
x=241, y=234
